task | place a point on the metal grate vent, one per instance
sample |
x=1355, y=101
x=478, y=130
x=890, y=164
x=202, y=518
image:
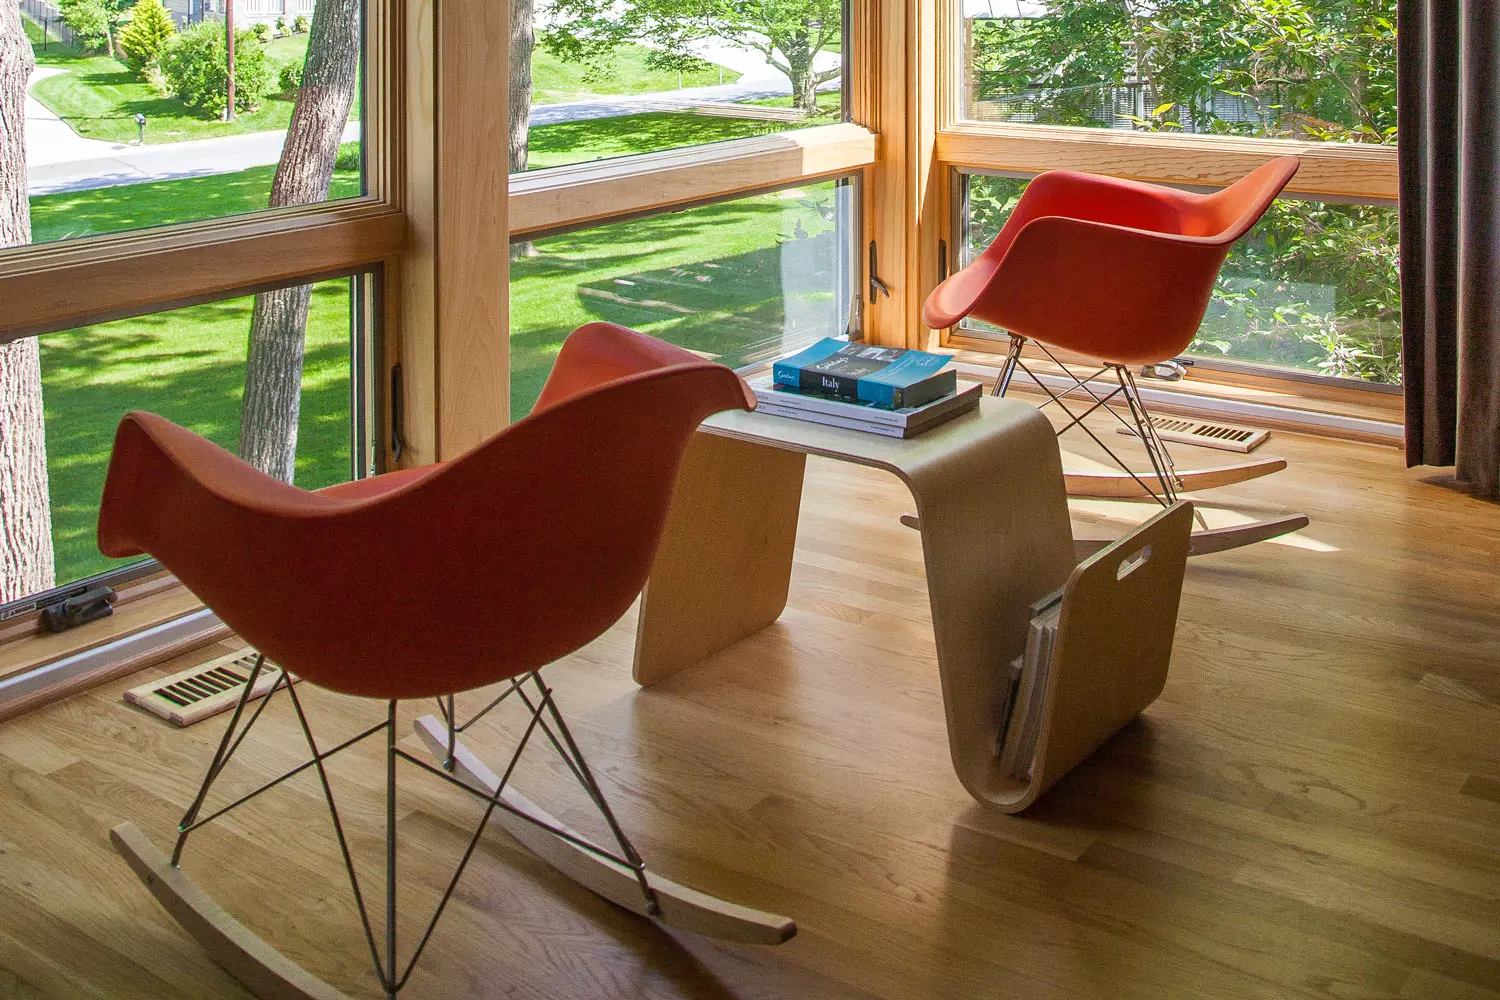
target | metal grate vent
x=197, y=693
x=1225, y=437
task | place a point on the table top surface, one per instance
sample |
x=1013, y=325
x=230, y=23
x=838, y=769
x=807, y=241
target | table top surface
x=994, y=417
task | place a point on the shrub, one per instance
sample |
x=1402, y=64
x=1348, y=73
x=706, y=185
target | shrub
x=145, y=38
x=299, y=24
x=348, y=157
x=290, y=78
x=281, y=26
x=262, y=32
x=194, y=65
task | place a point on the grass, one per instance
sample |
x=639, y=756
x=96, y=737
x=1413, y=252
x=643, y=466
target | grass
x=711, y=279
x=135, y=206
x=623, y=135
x=99, y=97
x=555, y=81
x=188, y=365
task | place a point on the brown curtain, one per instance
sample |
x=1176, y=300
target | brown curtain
x=1449, y=103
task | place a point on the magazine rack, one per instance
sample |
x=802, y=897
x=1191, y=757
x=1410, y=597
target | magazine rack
x=1114, y=641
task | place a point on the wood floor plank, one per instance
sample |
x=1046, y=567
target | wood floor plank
x=1310, y=809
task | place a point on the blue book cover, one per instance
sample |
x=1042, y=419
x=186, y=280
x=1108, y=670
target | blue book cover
x=888, y=377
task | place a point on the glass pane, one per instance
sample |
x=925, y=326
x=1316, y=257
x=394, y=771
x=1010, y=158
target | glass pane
x=126, y=115
x=1314, y=287
x=1309, y=69
x=742, y=281
x=188, y=365
x=604, y=80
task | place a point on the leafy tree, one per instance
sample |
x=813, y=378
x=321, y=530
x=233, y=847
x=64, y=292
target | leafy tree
x=195, y=65
x=790, y=33
x=1317, y=69
x=1324, y=69
x=145, y=38
x=94, y=21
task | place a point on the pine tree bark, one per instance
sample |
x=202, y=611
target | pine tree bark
x=278, y=325
x=26, y=565
x=522, y=42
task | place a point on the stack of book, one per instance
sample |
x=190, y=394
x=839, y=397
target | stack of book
x=880, y=390
x=1021, y=715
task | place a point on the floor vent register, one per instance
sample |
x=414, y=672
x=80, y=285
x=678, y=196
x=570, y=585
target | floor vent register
x=200, y=692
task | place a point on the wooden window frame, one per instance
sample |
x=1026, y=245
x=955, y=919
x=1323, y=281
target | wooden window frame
x=435, y=199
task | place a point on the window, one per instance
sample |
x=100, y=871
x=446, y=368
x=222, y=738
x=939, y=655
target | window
x=1195, y=93
x=189, y=365
x=1313, y=288
x=1314, y=69
x=741, y=281
x=133, y=129
x=597, y=81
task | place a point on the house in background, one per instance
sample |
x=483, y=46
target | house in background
x=247, y=12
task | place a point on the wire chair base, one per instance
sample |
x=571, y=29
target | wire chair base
x=616, y=874
x=1165, y=481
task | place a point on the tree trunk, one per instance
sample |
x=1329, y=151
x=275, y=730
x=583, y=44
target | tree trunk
x=278, y=326
x=805, y=88
x=25, y=510
x=522, y=42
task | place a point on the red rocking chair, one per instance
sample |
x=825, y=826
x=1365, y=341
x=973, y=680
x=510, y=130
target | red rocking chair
x=556, y=519
x=1119, y=271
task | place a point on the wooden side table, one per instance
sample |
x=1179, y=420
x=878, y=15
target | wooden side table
x=989, y=491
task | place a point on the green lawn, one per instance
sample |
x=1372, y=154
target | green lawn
x=189, y=366
x=601, y=138
x=133, y=206
x=555, y=81
x=100, y=97
x=711, y=279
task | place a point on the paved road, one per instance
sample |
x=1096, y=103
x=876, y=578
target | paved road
x=165, y=162
x=60, y=160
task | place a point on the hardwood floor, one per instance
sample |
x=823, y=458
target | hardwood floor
x=1312, y=808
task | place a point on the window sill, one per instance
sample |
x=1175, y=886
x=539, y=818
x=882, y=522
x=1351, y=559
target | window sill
x=1262, y=401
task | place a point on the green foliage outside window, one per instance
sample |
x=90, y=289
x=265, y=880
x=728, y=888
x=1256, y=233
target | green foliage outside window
x=194, y=65
x=145, y=38
x=1315, y=285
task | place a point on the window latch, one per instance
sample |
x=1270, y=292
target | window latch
x=876, y=285
x=89, y=606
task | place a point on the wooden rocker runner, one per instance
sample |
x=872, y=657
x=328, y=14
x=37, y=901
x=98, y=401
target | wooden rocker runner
x=556, y=520
x=1122, y=272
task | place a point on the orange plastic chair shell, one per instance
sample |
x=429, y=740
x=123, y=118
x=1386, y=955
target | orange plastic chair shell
x=1114, y=269
x=441, y=579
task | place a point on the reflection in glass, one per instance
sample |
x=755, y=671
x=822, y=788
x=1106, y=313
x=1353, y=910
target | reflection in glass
x=741, y=282
x=1313, y=69
x=1315, y=286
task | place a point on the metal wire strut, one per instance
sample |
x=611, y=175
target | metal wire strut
x=1138, y=423
x=391, y=974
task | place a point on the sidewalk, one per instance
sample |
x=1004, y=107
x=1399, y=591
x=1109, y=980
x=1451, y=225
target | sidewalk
x=59, y=160
x=164, y=162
